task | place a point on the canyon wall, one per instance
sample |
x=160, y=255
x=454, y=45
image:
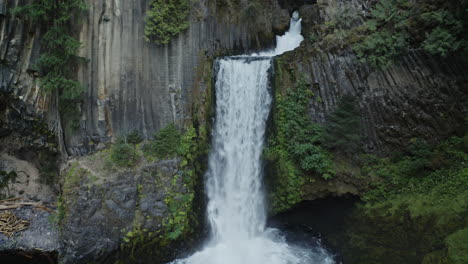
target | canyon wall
x=131, y=84
x=418, y=96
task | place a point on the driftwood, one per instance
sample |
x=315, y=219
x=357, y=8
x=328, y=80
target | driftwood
x=10, y=224
x=13, y=204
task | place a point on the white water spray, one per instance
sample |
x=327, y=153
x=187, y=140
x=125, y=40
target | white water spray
x=236, y=208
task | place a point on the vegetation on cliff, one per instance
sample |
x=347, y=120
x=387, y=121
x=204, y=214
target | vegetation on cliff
x=393, y=27
x=417, y=211
x=343, y=128
x=166, y=19
x=124, y=154
x=160, y=193
x=439, y=27
x=181, y=219
x=295, y=147
x=165, y=145
x=59, y=52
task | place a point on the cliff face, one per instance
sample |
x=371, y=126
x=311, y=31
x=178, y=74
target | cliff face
x=131, y=84
x=419, y=96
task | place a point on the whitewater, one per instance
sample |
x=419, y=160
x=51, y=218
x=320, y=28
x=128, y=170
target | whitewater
x=236, y=207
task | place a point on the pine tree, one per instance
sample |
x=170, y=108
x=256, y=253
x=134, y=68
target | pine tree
x=343, y=127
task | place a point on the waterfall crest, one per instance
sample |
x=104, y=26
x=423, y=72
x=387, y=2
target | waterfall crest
x=236, y=207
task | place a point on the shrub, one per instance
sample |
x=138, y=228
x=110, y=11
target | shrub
x=124, y=155
x=445, y=34
x=343, y=127
x=134, y=137
x=457, y=244
x=412, y=199
x=416, y=173
x=300, y=136
x=165, y=145
x=441, y=41
x=379, y=49
x=295, y=148
x=252, y=11
x=398, y=25
x=166, y=19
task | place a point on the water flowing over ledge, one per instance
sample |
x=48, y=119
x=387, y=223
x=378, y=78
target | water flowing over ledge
x=236, y=207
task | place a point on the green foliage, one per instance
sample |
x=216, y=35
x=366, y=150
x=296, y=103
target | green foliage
x=60, y=213
x=298, y=134
x=343, y=127
x=165, y=145
x=441, y=41
x=441, y=171
x=419, y=205
x=252, y=11
x=124, y=155
x=187, y=146
x=180, y=204
x=134, y=137
x=58, y=52
x=444, y=37
x=180, y=193
x=166, y=19
x=457, y=244
x=295, y=147
x=58, y=12
x=380, y=48
x=338, y=31
x=398, y=25
x=387, y=34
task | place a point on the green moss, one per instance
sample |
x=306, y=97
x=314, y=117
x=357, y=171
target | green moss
x=439, y=171
x=73, y=177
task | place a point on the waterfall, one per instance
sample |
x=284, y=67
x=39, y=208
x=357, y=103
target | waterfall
x=236, y=202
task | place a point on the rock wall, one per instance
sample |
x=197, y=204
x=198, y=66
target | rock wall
x=419, y=96
x=104, y=211
x=131, y=84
